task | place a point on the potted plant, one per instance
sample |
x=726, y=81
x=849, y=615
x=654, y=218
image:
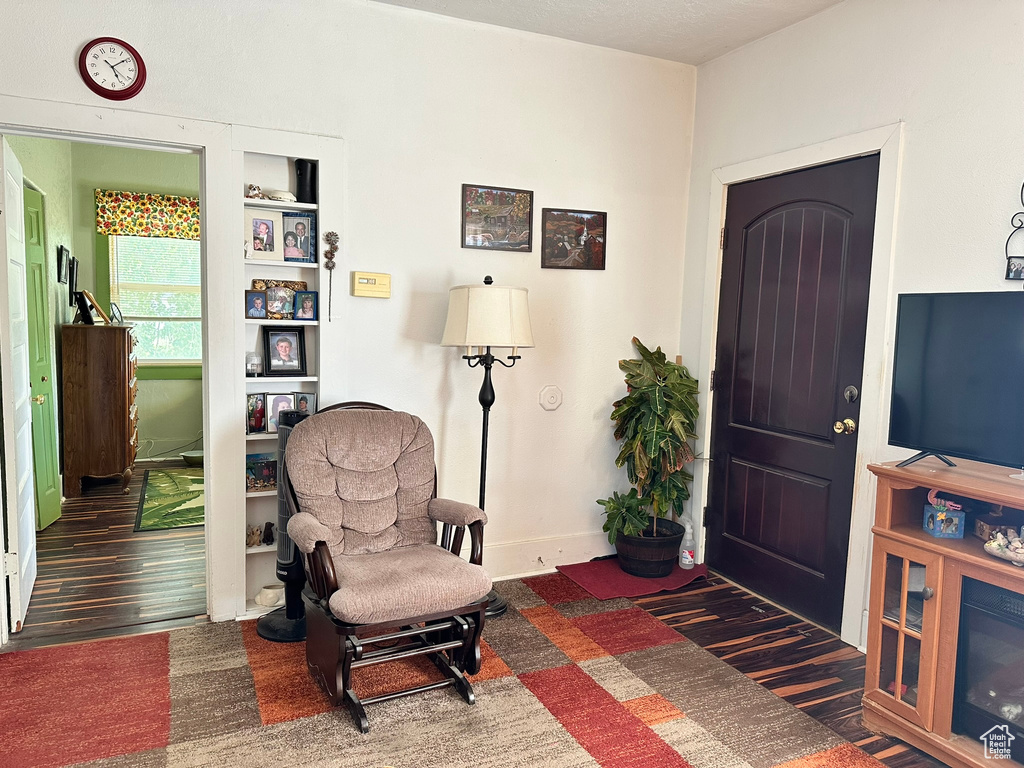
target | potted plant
x=654, y=422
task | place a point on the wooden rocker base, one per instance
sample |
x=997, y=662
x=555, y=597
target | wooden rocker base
x=334, y=649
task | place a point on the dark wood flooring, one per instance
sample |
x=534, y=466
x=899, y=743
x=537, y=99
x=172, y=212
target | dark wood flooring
x=99, y=578
x=807, y=666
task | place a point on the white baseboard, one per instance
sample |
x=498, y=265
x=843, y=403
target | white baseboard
x=515, y=559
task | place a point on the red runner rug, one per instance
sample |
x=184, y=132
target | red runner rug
x=605, y=580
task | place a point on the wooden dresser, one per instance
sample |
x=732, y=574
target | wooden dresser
x=101, y=418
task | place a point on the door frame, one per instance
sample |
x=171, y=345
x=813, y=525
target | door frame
x=220, y=205
x=887, y=141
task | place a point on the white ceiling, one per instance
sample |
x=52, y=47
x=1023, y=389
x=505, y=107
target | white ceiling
x=689, y=31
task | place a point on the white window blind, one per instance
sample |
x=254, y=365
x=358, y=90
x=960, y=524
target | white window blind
x=155, y=282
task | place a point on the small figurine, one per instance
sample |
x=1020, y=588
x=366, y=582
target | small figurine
x=268, y=533
x=252, y=536
x=255, y=193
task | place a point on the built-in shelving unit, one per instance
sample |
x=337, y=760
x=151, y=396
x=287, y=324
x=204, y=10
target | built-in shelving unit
x=271, y=171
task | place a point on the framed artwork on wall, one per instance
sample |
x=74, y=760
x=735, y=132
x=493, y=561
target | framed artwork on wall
x=497, y=218
x=72, y=280
x=1015, y=269
x=573, y=239
x=63, y=262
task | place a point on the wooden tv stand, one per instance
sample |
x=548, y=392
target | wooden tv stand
x=923, y=627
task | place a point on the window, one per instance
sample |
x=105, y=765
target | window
x=155, y=281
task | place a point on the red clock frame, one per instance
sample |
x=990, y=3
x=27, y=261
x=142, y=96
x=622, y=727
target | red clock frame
x=129, y=92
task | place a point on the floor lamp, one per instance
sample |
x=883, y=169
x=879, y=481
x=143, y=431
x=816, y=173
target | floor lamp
x=486, y=316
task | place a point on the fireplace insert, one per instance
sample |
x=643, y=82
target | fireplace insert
x=989, y=689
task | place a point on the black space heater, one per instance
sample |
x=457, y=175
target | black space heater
x=286, y=624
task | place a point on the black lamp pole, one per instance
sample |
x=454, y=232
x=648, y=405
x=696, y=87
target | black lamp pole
x=497, y=605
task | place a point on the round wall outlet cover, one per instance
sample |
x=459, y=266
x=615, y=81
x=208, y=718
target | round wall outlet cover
x=550, y=397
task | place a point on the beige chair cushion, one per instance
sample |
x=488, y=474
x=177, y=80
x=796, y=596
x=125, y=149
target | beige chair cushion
x=367, y=476
x=403, y=583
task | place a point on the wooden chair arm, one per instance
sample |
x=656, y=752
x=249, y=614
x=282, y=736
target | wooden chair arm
x=320, y=566
x=452, y=537
x=476, y=539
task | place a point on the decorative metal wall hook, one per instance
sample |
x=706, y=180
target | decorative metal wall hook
x=1014, y=248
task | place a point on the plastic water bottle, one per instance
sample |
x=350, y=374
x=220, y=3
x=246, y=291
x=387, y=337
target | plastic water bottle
x=686, y=547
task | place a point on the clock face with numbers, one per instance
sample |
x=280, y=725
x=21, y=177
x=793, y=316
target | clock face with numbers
x=112, y=68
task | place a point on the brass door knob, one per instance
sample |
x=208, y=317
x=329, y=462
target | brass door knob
x=849, y=426
x=39, y=399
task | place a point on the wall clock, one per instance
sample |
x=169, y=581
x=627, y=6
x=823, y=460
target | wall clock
x=112, y=68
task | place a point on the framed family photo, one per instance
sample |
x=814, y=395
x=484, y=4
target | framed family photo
x=497, y=218
x=573, y=239
x=255, y=413
x=1015, y=269
x=279, y=401
x=264, y=232
x=280, y=296
x=256, y=304
x=305, y=401
x=284, y=351
x=305, y=305
x=299, y=236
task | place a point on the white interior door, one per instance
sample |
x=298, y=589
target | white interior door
x=15, y=397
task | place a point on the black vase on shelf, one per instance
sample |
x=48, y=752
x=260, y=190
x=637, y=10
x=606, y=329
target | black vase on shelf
x=305, y=178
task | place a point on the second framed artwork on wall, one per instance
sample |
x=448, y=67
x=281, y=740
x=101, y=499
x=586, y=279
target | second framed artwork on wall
x=573, y=239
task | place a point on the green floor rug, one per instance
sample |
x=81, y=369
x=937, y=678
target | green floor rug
x=171, y=498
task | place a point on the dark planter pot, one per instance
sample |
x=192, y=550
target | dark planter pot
x=650, y=556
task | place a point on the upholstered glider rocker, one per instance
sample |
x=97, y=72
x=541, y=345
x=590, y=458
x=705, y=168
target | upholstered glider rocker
x=362, y=484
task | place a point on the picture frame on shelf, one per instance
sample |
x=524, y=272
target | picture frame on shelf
x=305, y=306
x=280, y=303
x=279, y=401
x=573, y=239
x=260, y=472
x=265, y=234
x=256, y=413
x=301, y=225
x=63, y=262
x=305, y=401
x=284, y=351
x=497, y=218
x=256, y=304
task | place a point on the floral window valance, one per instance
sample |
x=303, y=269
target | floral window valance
x=146, y=215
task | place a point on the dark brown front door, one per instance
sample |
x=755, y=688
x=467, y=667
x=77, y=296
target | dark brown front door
x=791, y=321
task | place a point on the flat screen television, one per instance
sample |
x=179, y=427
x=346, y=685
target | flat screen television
x=958, y=376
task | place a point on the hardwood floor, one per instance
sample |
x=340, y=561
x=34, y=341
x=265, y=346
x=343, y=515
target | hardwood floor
x=99, y=578
x=807, y=666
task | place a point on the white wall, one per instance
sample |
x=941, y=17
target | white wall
x=424, y=104
x=951, y=72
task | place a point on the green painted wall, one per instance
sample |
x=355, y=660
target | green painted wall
x=170, y=398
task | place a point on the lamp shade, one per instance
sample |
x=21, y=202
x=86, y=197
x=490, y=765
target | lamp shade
x=487, y=316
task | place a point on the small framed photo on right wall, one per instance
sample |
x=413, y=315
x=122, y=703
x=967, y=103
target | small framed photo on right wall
x=573, y=239
x=1015, y=269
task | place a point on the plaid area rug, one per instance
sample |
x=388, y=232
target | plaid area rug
x=567, y=681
